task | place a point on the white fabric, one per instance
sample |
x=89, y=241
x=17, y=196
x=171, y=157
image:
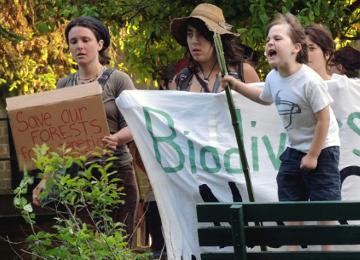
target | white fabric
x=346, y=94
x=297, y=98
x=174, y=132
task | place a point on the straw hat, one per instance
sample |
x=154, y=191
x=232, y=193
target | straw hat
x=211, y=15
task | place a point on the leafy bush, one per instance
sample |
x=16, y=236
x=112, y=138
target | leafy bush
x=83, y=227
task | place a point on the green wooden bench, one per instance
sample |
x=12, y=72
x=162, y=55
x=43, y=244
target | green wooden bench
x=240, y=235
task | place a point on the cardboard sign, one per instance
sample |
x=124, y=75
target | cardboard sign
x=74, y=116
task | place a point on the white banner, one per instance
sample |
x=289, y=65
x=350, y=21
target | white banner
x=187, y=143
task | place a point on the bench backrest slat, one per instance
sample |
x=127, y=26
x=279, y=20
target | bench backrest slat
x=305, y=255
x=217, y=256
x=210, y=236
x=228, y=226
x=310, y=235
x=308, y=255
x=282, y=211
x=298, y=235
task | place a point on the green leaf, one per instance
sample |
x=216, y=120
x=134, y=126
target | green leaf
x=264, y=18
x=42, y=27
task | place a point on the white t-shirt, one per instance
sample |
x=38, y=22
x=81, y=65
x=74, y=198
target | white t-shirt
x=298, y=97
x=344, y=91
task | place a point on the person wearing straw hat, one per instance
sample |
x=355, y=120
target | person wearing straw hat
x=195, y=32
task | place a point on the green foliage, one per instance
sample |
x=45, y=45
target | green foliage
x=33, y=53
x=83, y=227
x=21, y=203
x=260, y=12
x=31, y=57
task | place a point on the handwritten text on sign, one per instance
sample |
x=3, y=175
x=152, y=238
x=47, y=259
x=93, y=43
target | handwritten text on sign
x=70, y=125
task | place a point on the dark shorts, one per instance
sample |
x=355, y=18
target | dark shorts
x=322, y=183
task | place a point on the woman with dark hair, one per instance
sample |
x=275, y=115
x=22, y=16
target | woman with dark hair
x=88, y=40
x=320, y=49
x=195, y=32
x=347, y=62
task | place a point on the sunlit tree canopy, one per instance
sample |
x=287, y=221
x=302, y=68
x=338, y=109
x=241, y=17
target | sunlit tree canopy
x=33, y=52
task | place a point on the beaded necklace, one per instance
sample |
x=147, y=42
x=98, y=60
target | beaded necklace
x=90, y=79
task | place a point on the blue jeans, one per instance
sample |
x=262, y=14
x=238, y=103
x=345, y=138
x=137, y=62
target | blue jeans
x=322, y=183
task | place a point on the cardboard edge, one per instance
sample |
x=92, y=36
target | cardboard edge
x=51, y=96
